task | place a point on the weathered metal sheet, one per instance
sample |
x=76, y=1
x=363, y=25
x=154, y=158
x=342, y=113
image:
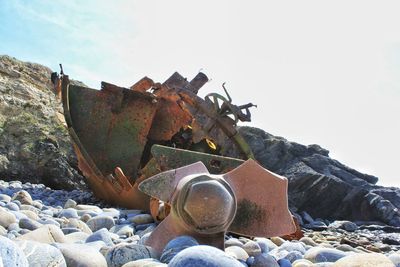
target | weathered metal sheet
x=112, y=124
x=261, y=199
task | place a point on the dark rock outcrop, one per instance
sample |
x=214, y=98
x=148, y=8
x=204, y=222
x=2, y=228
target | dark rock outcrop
x=34, y=144
x=322, y=186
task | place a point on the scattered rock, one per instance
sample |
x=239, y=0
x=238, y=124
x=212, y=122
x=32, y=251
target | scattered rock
x=39, y=254
x=81, y=255
x=203, y=256
x=318, y=254
x=11, y=255
x=176, y=245
x=23, y=196
x=360, y=260
x=121, y=254
x=99, y=222
x=46, y=234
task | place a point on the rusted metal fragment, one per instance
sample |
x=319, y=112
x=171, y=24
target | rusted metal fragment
x=248, y=200
x=143, y=85
x=101, y=119
x=262, y=199
x=298, y=234
x=172, y=158
x=169, y=119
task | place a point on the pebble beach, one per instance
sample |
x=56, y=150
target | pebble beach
x=44, y=227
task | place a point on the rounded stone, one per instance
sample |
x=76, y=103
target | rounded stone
x=5, y=198
x=123, y=230
x=395, y=258
x=265, y=244
x=293, y=256
x=176, y=245
x=320, y=254
x=30, y=214
x=277, y=240
x=141, y=219
x=252, y=248
x=237, y=252
x=293, y=246
x=308, y=241
x=3, y=230
x=99, y=222
x=302, y=263
x=23, y=196
x=262, y=260
x=26, y=223
x=7, y=218
x=39, y=254
x=68, y=213
x=101, y=234
x=75, y=223
x=209, y=204
x=77, y=237
x=70, y=204
x=85, y=217
x=233, y=242
x=284, y=263
x=12, y=206
x=206, y=256
x=369, y=259
x=11, y=255
x=45, y=234
x=144, y=263
x=81, y=255
x=121, y=254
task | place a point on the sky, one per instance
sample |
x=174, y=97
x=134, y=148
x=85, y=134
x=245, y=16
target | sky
x=321, y=72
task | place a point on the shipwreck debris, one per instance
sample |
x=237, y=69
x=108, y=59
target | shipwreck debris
x=114, y=131
x=247, y=201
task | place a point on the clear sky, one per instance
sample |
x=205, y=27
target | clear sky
x=324, y=72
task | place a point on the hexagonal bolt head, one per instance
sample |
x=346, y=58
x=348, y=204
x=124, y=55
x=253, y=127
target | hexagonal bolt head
x=209, y=204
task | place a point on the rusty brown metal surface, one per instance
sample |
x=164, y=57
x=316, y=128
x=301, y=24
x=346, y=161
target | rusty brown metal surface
x=114, y=129
x=248, y=200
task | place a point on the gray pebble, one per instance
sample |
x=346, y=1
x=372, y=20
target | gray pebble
x=39, y=254
x=141, y=219
x=27, y=223
x=237, y=252
x=81, y=255
x=176, y=245
x=7, y=218
x=99, y=222
x=5, y=198
x=70, y=204
x=68, y=213
x=11, y=255
x=203, y=256
x=121, y=254
x=12, y=206
x=233, y=242
x=320, y=254
x=252, y=248
x=23, y=196
x=102, y=235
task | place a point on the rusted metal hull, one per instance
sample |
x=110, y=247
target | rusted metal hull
x=113, y=130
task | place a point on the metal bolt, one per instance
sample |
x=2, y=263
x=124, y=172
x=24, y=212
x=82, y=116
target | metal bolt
x=209, y=205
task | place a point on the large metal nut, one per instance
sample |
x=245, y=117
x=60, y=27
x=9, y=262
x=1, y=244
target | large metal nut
x=209, y=205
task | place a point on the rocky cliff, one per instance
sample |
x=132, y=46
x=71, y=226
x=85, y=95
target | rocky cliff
x=34, y=144
x=35, y=147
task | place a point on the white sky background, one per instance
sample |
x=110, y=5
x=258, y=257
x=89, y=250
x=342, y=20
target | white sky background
x=320, y=72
